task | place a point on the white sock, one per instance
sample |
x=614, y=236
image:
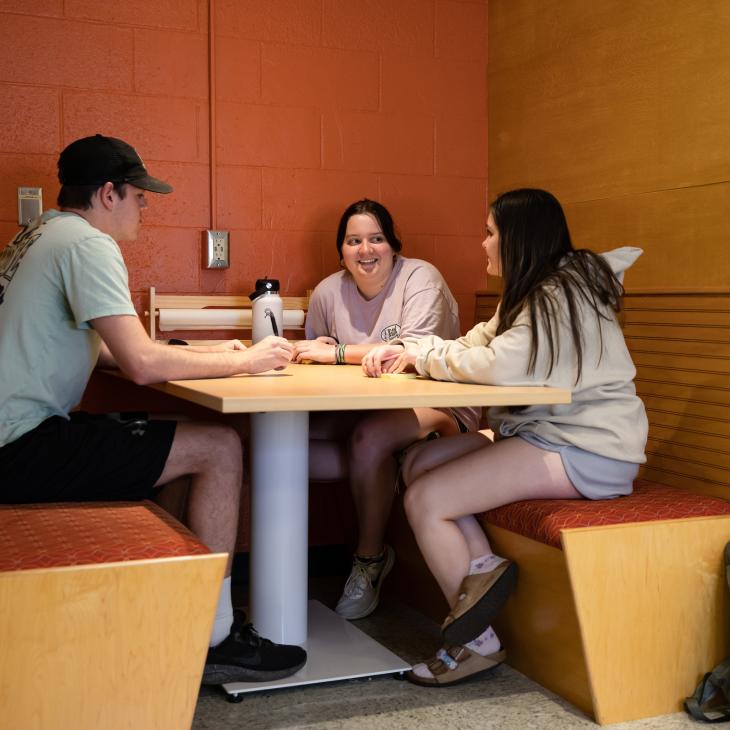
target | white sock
x=484, y=563
x=223, y=614
x=486, y=643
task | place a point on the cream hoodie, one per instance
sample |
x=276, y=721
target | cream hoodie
x=605, y=417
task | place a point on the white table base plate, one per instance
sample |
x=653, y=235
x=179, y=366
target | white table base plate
x=336, y=650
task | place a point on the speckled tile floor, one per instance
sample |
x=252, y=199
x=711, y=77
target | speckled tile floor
x=504, y=699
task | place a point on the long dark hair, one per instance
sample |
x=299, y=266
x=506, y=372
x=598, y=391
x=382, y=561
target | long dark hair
x=537, y=257
x=377, y=211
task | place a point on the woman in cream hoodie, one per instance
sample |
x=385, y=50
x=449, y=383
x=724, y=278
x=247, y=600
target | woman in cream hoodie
x=556, y=325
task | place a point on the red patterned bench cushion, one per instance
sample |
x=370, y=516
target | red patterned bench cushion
x=51, y=535
x=543, y=519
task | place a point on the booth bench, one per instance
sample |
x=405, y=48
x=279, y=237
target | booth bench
x=621, y=605
x=106, y=614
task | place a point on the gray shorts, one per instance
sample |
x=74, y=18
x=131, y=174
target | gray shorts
x=594, y=476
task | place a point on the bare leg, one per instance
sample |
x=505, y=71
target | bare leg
x=373, y=468
x=432, y=454
x=484, y=478
x=427, y=456
x=360, y=445
x=211, y=454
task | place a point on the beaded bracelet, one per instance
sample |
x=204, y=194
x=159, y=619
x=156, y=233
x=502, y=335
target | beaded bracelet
x=340, y=354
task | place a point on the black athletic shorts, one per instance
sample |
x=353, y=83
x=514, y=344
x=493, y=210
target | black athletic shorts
x=87, y=458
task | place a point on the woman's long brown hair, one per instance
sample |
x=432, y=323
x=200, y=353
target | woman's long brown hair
x=538, y=258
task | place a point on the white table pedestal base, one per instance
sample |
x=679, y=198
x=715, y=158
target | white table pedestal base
x=279, y=525
x=336, y=650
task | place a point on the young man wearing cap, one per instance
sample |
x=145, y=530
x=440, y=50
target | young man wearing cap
x=65, y=307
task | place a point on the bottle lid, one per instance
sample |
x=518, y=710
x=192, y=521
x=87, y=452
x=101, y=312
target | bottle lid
x=264, y=286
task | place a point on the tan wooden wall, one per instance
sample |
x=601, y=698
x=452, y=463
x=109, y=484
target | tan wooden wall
x=622, y=109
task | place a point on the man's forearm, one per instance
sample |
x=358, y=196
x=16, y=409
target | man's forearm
x=148, y=362
x=161, y=362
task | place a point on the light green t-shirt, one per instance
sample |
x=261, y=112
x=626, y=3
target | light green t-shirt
x=55, y=276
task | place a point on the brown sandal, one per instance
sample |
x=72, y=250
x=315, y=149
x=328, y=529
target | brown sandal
x=454, y=664
x=481, y=598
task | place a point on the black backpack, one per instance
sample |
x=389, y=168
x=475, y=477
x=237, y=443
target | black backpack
x=711, y=700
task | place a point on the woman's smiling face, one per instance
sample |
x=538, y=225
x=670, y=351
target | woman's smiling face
x=366, y=254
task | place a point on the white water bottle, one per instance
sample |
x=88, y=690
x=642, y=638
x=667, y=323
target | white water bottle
x=267, y=310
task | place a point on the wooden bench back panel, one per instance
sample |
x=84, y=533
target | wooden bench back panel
x=228, y=301
x=680, y=344
x=209, y=301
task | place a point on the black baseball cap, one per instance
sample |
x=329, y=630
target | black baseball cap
x=99, y=159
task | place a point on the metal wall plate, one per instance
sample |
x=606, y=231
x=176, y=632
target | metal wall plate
x=30, y=204
x=215, y=250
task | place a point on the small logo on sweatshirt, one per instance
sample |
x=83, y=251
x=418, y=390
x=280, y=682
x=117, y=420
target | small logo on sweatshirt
x=390, y=332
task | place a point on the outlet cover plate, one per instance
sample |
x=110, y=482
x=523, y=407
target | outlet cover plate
x=30, y=204
x=215, y=250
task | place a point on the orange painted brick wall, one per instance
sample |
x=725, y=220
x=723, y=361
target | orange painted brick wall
x=318, y=103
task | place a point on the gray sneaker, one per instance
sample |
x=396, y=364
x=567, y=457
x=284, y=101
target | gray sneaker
x=362, y=590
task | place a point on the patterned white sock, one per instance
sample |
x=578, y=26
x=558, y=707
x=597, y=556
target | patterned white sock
x=486, y=643
x=223, y=614
x=421, y=670
x=484, y=563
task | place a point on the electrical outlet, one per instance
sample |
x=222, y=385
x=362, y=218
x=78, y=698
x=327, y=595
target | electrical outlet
x=215, y=250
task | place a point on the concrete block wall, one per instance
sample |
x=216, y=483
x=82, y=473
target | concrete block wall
x=317, y=103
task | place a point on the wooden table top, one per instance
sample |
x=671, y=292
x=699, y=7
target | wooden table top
x=345, y=388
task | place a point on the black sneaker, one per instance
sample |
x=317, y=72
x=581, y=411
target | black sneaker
x=243, y=656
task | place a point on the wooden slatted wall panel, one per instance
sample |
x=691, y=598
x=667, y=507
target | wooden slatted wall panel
x=486, y=306
x=680, y=343
x=681, y=347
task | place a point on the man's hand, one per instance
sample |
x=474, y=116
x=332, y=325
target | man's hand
x=271, y=353
x=388, y=359
x=320, y=350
